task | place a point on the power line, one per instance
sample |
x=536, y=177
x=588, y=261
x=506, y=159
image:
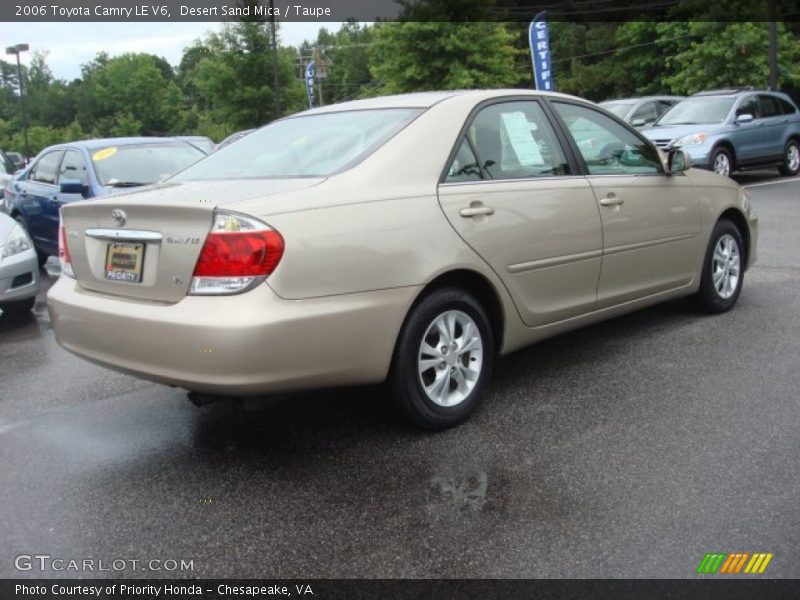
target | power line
x=680, y=37
x=579, y=13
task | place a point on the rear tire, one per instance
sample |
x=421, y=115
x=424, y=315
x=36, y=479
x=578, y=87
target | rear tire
x=19, y=307
x=723, y=270
x=443, y=359
x=791, y=159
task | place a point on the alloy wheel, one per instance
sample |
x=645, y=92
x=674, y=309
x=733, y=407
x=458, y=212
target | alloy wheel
x=726, y=266
x=793, y=157
x=450, y=358
x=722, y=164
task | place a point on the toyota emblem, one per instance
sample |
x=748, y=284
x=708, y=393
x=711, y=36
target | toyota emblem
x=119, y=217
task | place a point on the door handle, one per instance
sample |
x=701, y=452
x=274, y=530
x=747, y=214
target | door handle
x=477, y=210
x=612, y=200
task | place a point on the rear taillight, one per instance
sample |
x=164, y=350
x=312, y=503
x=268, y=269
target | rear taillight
x=63, y=252
x=238, y=253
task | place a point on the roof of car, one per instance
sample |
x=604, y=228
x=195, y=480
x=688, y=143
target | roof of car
x=424, y=99
x=643, y=98
x=728, y=91
x=120, y=141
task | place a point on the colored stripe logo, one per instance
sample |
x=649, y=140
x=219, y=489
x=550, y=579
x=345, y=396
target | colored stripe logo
x=734, y=563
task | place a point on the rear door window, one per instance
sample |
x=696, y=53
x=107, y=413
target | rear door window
x=514, y=140
x=769, y=106
x=464, y=166
x=787, y=107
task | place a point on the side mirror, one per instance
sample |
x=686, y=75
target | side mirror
x=678, y=162
x=72, y=186
x=744, y=118
x=638, y=122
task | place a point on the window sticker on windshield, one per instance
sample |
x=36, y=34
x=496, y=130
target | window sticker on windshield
x=104, y=153
x=519, y=131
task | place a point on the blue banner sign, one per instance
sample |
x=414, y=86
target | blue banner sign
x=311, y=72
x=539, y=38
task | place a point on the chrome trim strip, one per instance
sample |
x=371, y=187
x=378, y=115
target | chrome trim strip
x=553, y=262
x=570, y=258
x=124, y=234
x=648, y=244
x=512, y=180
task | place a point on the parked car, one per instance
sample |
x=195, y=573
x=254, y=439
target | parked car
x=17, y=159
x=233, y=137
x=411, y=237
x=7, y=170
x=66, y=173
x=643, y=111
x=729, y=130
x=19, y=270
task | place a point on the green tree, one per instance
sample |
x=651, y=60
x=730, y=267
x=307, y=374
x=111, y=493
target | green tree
x=344, y=59
x=417, y=56
x=233, y=77
x=129, y=89
x=730, y=54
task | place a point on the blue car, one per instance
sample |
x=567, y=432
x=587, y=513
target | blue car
x=729, y=130
x=88, y=169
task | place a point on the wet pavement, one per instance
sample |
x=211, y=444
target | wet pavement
x=627, y=449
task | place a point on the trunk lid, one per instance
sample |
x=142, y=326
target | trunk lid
x=168, y=223
x=170, y=237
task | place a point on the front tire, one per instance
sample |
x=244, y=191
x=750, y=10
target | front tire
x=791, y=159
x=443, y=359
x=722, y=162
x=723, y=270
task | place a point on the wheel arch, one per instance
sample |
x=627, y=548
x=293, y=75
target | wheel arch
x=480, y=287
x=735, y=216
x=725, y=143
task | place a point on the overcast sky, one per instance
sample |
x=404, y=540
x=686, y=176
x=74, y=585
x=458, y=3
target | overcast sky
x=69, y=45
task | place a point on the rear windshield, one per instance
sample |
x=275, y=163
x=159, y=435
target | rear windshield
x=620, y=109
x=141, y=164
x=695, y=111
x=306, y=146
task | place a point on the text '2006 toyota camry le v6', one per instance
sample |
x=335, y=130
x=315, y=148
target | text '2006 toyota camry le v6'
x=410, y=238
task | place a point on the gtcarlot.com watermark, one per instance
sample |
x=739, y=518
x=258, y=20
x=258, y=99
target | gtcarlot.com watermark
x=46, y=562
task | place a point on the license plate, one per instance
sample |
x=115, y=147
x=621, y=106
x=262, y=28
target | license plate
x=124, y=262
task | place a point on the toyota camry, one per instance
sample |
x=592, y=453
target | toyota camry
x=411, y=239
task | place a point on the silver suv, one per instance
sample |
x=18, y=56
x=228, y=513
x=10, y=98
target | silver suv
x=729, y=130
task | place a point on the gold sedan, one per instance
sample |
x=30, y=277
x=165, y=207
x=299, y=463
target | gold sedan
x=411, y=238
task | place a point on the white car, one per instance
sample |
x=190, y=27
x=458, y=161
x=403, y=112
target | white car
x=19, y=268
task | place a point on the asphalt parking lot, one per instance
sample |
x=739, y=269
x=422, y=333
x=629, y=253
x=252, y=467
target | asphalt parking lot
x=627, y=449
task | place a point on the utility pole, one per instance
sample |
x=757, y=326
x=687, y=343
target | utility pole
x=773, y=46
x=319, y=79
x=17, y=49
x=275, y=79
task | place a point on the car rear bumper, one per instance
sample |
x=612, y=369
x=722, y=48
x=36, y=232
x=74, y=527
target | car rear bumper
x=237, y=345
x=19, y=276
